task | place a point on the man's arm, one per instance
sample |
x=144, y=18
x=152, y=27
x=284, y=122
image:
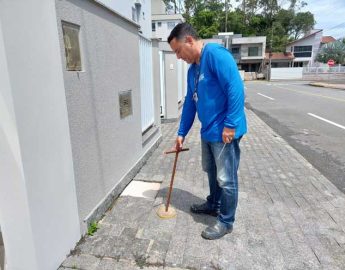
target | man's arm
x=224, y=67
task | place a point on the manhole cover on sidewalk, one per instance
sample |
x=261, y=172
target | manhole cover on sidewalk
x=141, y=189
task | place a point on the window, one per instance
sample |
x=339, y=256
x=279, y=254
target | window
x=253, y=51
x=72, y=47
x=134, y=14
x=153, y=27
x=235, y=50
x=302, y=51
x=159, y=24
x=171, y=25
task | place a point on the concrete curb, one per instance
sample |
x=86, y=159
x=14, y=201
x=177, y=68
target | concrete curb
x=328, y=85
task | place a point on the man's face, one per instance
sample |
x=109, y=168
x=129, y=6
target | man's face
x=184, y=49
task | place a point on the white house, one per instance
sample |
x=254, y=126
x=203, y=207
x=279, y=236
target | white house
x=171, y=73
x=79, y=114
x=248, y=52
x=305, y=49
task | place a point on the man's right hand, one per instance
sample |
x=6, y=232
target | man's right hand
x=179, y=143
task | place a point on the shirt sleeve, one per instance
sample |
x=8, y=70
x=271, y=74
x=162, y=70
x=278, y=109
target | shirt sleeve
x=189, y=109
x=224, y=67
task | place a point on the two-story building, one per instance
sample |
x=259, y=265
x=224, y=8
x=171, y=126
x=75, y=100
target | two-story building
x=305, y=49
x=248, y=52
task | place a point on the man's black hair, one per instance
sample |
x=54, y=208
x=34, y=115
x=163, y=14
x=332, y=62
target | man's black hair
x=181, y=30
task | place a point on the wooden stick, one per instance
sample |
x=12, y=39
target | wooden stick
x=172, y=175
x=174, y=151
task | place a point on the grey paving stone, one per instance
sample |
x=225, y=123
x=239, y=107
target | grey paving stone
x=86, y=262
x=93, y=245
x=157, y=252
x=289, y=215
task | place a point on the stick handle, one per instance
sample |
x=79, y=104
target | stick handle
x=175, y=151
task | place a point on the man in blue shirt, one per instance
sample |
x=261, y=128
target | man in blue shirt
x=215, y=92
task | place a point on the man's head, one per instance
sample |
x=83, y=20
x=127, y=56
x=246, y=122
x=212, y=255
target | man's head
x=184, y=41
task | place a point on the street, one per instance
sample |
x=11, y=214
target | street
x=311, y=119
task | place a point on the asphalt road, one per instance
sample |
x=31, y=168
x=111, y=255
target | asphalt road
x=311, y=119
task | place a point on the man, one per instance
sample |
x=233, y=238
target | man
x=215, y=92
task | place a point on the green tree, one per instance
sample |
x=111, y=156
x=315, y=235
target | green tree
x=174, y=6
x=334, y=50
x=302, y=23
x=251, y=18
x=204, y=16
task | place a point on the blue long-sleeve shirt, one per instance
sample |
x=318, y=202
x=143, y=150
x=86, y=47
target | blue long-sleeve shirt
x=220, y=95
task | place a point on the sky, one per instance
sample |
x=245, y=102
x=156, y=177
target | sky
x=329, y=16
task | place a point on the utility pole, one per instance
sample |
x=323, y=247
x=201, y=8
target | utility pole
x=226, y=16
x=270, y=50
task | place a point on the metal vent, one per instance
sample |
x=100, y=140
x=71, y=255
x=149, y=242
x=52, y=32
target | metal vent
x=125, y=99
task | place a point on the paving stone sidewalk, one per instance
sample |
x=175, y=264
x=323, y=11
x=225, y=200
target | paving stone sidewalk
x=289, y=215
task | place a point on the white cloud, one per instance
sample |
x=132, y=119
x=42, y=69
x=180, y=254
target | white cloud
x=328, y=14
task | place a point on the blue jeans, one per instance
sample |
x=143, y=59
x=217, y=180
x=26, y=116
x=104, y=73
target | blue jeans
x=221, y=167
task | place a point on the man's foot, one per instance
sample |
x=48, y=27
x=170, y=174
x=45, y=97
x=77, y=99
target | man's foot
x=203, y=209
x=216, y=231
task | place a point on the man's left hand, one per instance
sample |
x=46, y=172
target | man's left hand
x=228, y=134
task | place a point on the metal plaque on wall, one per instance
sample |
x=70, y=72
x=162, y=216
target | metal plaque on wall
x=125, y=99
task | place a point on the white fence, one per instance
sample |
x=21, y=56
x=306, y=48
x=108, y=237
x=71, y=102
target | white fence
x=146, y=83
x=324, y=69
x=291, y=73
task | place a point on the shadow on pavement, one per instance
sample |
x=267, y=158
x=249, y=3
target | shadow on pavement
x=181, y=200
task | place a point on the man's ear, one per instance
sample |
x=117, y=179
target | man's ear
x=189, y=39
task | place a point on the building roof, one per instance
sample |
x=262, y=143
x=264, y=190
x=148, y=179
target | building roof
x=280, y=56
x=313, y=32
x=98, y=2
x=327, y=39
x=166, y=17
x=249, y=40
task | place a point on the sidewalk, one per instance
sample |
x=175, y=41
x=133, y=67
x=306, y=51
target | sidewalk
x=289, y=215
x=328, y=85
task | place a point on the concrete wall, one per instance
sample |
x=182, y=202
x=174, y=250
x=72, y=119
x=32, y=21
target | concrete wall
x=245, y=50
x=104, y=146
x=38, y=205
x=292, y=73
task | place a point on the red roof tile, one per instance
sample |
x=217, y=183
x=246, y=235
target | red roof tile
x=327, y=39
x=280, y=56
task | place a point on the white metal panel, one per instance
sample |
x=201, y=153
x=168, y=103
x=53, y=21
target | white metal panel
x=162, y=82
x=293, y=73
x=179, y=80
x=146, y=83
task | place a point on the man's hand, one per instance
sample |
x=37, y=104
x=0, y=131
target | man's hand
x=228, y=134
x=179, y=143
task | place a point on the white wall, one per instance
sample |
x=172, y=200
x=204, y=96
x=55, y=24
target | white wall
x=38, y=206
x=158, y=7
x=17, y=237
x=162, y=32
x=124, y=7
x=293, y=73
